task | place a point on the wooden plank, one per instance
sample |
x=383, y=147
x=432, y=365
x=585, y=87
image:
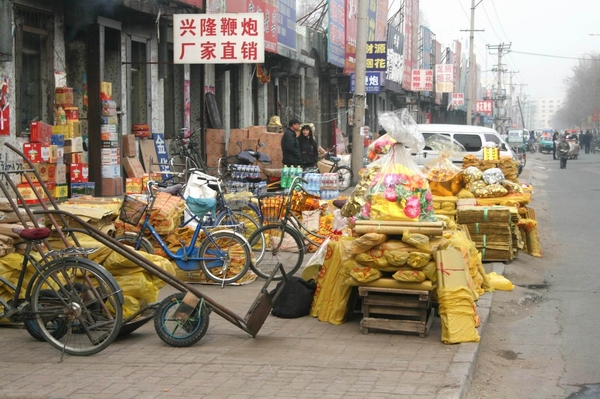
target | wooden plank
x=363, y=291
x=397, y=311
x=397, y=302
x=393, y=325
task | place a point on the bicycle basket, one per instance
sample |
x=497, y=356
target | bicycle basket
x=272, y=206
x=132, y=210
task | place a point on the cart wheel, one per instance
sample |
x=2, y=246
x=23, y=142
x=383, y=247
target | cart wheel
x=174, y=332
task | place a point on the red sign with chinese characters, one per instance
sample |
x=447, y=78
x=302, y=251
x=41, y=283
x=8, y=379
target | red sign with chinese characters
x=422, y=80
x=484, y=107
x=219, y=38
x=458, y=99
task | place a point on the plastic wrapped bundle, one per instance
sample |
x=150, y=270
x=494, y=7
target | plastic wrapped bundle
x=443, y=175
x=493, y=176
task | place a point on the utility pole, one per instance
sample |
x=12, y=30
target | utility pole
x=471, y=68
x=501, y=48
x=521, y=100
x=359, y=87
x=511, y=95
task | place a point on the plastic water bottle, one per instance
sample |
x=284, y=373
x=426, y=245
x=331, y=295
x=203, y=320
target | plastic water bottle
x=284, y=176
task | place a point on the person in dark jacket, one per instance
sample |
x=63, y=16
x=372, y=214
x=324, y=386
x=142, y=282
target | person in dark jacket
x=309, y=150
x=290, y=147
x=587, y=141
x=563, y=149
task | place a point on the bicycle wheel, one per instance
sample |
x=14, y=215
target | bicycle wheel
x=226, y=257
x=172, y=331
x=239, y=221
x=131, y=241
x=280, y=245
x=86, y=297
x=346, y=176
x=57, y=326
x=181, y=165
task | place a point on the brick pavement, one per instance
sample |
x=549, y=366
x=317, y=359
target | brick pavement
x=290, y=358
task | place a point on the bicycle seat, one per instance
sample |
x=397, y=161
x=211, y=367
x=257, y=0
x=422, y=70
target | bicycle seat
x=33, y=234
x=335, y=159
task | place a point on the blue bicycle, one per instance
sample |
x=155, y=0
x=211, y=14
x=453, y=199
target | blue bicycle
x=223, y=255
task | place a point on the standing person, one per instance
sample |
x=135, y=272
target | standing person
x=290, y=147
x=554, y=144
x=309, y=150
x=588, y=141
x=563, y=151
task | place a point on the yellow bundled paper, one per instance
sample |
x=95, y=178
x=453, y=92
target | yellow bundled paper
x=458, y=315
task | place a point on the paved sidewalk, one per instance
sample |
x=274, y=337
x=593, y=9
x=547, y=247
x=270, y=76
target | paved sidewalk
x=290, y=358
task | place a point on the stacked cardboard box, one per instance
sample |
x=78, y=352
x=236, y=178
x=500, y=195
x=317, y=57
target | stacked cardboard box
x=251, y=138
x=110, y=156
x=215, y=146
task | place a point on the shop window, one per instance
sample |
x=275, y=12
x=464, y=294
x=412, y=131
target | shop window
x=33, y=72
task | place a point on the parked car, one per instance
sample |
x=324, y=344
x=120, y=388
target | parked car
x=471, y=137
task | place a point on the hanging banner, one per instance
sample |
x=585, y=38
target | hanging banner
x=287, y=23
x=484, y=107
x=444, y=78
x=372, y=82
x=371, y=20
x=395, y=71
x=411, y=24
x=422, y=80
x=376, y=56
x=381, y=22
x=337, y=33
x=427, y=61
x=458, y=99
x=269, y=10
x=351, y=30
x=4, y=107
x=218, y=38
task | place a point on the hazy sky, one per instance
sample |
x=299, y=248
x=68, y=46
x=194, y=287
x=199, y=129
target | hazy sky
x=558, y=32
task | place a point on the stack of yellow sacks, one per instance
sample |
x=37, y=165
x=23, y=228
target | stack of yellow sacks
x=445, y=206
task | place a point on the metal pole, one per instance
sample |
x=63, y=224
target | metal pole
x=470, y=72
x=359, y=87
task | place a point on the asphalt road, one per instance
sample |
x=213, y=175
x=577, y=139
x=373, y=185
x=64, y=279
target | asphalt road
x=541, y=341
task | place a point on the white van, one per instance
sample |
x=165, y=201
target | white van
x=471, y=137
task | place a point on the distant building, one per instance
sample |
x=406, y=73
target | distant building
x=545, y=108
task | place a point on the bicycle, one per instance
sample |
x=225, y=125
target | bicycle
x=223, y=255
x=187, y=158
x=345, y=174
x=71, y=302
x=283, y=240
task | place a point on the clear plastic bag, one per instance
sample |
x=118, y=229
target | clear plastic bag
x=441, y=168
x=398, y=190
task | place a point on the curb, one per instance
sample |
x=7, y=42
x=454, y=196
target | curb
x=460, y=373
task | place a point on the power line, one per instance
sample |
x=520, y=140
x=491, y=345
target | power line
x=556, y=56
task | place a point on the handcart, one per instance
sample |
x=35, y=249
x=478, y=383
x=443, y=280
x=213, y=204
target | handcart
x=180, y=319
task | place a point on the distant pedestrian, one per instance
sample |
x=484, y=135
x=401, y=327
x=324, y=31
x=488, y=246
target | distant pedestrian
x=554, y=144
x=290, y=147
x=563, y=151
x=588, y=136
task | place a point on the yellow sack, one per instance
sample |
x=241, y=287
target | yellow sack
x=458, y=315
x=417, y=240
x=365, y=274
x=417, y=260
x=500, y=282
x=364, y=259
x=409, y=276
x=366, y=242
x=396, y=257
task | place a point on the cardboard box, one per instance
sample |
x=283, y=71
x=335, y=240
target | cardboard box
x=106, y=136
x=53, y=154
x=73, y=129
x=110, y=171
x=40, y=132
x=60, y=129
x=133, y=185
x=42, y=170
x=61, y=174
x=77, y=190
x=78, y=173
x=148, y=150
x=109, y=120
x=112, y=186
x=28, y=193
x=451, y=268
x=216, y=136
x=129, y=146
x=108, y=129
x=77, y=157
x=236, y=135
x=51, y=173
x=73, y=144
x=61, y=191
x=58, y=139
x=254, y=132
x=133, y=167
x=37, y=152
x=110, y=144
x=215, y=149
x=212, y=161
